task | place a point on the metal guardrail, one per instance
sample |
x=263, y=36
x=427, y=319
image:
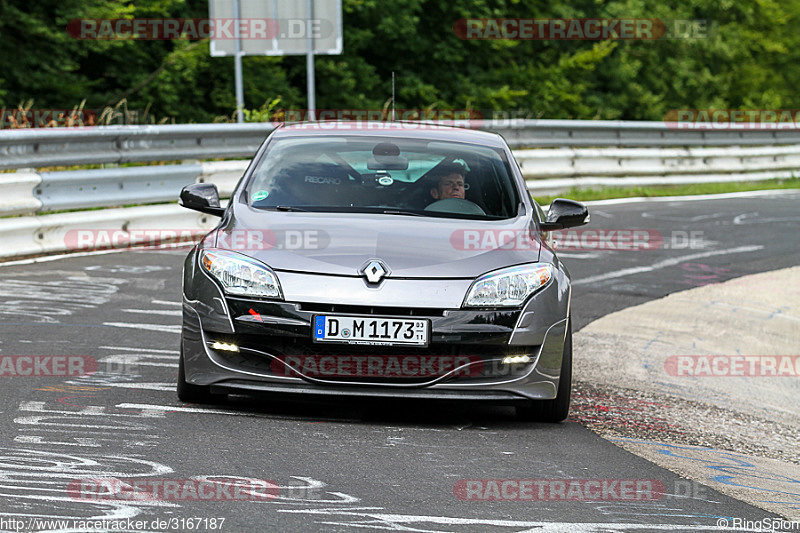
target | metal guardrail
x=625, y=133
x=551, y=170
x=39, y=148
x=31, y=192
x=567, y=154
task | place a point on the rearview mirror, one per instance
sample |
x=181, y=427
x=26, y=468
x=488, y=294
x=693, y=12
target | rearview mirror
x=565, y=214
x=202, y=197
x=386, y=156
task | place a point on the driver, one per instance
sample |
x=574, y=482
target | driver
x=451, y=183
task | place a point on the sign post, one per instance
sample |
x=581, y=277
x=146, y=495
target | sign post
x=274, y=28
x=310, y=82
x=237, y=63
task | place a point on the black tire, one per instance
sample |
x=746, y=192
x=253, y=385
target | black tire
x=557, y=409
x=193, y=393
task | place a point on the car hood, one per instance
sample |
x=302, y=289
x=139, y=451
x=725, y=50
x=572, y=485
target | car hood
x=410, y=246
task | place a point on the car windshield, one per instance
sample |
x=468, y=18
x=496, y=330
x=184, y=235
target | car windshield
x=384, y=175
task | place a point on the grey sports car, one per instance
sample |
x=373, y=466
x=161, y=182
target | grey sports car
x=380, y=260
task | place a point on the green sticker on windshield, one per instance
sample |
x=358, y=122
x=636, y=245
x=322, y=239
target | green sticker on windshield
x=259, y=195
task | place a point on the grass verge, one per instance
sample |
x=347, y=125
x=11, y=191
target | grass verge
x=604, y=193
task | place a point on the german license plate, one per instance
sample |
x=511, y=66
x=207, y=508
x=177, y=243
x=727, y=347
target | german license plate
x=371, y=330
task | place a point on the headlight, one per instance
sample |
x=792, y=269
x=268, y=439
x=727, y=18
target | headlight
x=508, y=287
x=241, y=275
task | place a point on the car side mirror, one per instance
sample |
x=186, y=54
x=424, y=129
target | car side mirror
x=202, y=197
x=565, y=214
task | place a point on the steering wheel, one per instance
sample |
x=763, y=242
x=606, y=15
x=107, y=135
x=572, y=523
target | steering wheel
x=456, y=205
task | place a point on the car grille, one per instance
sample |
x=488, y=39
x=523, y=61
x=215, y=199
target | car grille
x=371, y=310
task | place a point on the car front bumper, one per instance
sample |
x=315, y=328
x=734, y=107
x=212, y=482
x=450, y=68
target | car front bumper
x=267, y=333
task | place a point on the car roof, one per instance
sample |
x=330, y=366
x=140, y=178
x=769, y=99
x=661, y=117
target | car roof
x=409, y=130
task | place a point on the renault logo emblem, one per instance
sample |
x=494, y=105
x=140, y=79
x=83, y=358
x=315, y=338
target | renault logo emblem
x=374, y=271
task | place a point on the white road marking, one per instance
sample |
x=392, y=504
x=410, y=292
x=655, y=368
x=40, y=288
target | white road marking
x=137, y=360
x=695, y=198
x=42, y=420
x=752, y=218
x=680, y=218
x=135, y=357
x=89, y=410
x=49, y=258
x=164, y=302
x=586, y=255
x=178, y=409
x=145, y=386
x=88, y=442
x=132, y=349
x=154, y=312
x=665, y=263
x=36, y=439
x=548, y=527
x=149, y=327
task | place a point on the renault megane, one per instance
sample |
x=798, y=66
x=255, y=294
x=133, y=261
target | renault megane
x=380, y=260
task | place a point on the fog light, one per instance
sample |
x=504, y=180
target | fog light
x=516, y=359
x=225, y=346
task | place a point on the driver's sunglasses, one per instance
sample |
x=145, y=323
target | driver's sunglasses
x=454, y=184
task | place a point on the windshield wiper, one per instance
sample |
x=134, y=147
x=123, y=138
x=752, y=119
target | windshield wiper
x=399, y=212
x=350, y=209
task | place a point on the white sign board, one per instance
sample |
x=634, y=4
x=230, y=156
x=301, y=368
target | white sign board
x=276, y=27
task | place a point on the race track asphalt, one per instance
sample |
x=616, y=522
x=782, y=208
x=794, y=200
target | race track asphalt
x=340, y=467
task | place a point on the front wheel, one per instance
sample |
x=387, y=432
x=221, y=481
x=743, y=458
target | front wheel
x=557, y=409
